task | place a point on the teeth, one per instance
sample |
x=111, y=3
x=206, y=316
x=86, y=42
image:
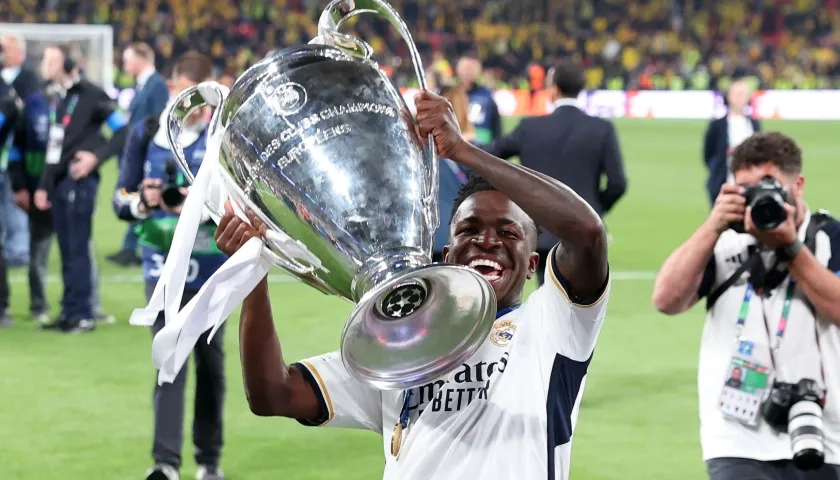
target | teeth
x=492, y=276
x=485, y=263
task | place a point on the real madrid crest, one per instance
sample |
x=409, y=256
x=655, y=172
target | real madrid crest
x=502, y=333
x=285, y=99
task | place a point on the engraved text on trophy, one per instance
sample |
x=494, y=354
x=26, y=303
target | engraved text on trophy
x=308, y=132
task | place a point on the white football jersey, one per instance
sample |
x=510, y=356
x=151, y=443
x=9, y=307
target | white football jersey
x=508, y=412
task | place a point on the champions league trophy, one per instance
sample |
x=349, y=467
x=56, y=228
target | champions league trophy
x=321, y=147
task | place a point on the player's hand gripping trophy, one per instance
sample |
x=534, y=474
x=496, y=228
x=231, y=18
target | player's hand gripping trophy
x=320, y=146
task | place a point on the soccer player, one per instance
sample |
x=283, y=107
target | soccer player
x=510, y=410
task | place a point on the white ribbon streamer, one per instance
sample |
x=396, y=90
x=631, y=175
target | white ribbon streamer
x=229, y=285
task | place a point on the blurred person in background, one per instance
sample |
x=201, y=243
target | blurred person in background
x=151, y=189
x=9, y=113
x=26, y=165
x=452, y=175
x=23, y=82
x=570, y=146
x=726, y=133
x=68, y=185
x=483, y=112
x=150, y=97
x=772, y=309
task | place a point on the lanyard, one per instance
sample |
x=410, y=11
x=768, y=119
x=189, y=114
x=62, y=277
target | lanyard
x=462, y=177
x=404, y=411
x=783, y=319
x=68, y=112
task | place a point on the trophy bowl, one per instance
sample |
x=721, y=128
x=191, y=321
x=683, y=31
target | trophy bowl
x=320, y=145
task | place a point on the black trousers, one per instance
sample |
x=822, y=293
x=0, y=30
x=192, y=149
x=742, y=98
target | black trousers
x=209, y=401
x=747, y=469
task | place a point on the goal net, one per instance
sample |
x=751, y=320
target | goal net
x=91, y=46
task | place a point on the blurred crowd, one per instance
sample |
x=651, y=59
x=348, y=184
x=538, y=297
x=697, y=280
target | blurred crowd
x=635, y=44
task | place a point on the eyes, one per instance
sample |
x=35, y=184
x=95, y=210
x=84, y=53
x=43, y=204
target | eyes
x=471, y=230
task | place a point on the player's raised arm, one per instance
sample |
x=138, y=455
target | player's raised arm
x=272, y=387
x=581, y=255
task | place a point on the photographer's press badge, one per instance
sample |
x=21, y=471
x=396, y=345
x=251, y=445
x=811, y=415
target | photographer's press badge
x=747, y=381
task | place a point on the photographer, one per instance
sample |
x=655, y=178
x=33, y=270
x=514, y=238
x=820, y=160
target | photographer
x=151, y=189
x=765, y=264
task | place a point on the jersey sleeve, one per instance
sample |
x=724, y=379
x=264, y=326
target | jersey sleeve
x=345, y=402
x=832, y=230
x=567, y=328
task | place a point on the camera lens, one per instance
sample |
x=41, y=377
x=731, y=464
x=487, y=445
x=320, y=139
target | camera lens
x=805, y=427
x=171, y=196
x=768, y=211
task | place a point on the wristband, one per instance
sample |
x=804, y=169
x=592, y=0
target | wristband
x=788, y=253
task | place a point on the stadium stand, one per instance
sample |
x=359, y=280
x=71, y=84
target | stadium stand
x=639, y=44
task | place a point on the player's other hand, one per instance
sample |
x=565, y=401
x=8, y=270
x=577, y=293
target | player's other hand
x=729, y=208
x=436, y=117
x=233, y=232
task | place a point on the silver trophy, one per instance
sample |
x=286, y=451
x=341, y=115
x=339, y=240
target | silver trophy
x=321, y=146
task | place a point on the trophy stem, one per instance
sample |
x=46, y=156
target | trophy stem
x=383, y=266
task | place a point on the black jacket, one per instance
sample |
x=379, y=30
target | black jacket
x=716, y=152
x=574, y=148
x=94, y=109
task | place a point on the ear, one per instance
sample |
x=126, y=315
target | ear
x=445, y=253
x=800, y=185
x=533, y=264
x=171, y=86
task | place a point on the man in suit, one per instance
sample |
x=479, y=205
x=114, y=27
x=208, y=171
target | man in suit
x=150, y=97
x=22, y=83
x=483, y=112
x=570, y=146
x=726, y=133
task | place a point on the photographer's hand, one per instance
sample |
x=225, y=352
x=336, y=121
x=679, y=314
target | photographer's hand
x=782, y=236
x=730, y=207
x=151, y=194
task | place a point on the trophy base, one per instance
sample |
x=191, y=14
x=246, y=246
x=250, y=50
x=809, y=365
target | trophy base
x=418, y=326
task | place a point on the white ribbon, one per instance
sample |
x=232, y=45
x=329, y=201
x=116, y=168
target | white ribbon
x=227, y=287
x=209, y=309
x=170, y=286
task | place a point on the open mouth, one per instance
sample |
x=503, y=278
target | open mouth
x=488, y=269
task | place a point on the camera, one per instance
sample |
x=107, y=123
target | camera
x=170, y=190
x=767, y=200
x=797, y=408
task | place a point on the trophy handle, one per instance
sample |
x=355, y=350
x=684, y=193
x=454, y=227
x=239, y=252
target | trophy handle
x=335, y=15
x=185, y=103
x=215, y=94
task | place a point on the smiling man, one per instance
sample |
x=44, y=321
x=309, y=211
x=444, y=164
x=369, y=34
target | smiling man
x=510, y=410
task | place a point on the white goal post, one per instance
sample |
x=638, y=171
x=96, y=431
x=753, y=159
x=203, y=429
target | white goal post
x=92, y=46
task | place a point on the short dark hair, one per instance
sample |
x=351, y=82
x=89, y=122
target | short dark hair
x=196, y=66
x=473, y=185
x=569, y=78
x=768, y=147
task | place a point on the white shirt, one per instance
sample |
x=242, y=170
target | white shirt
x=739, y=128
x=144, y=77
x=566, y=102
x=796, y=358
x=508, y=412
x=9, y=74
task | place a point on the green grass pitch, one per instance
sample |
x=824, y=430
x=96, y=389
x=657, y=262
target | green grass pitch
x=79, y=407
